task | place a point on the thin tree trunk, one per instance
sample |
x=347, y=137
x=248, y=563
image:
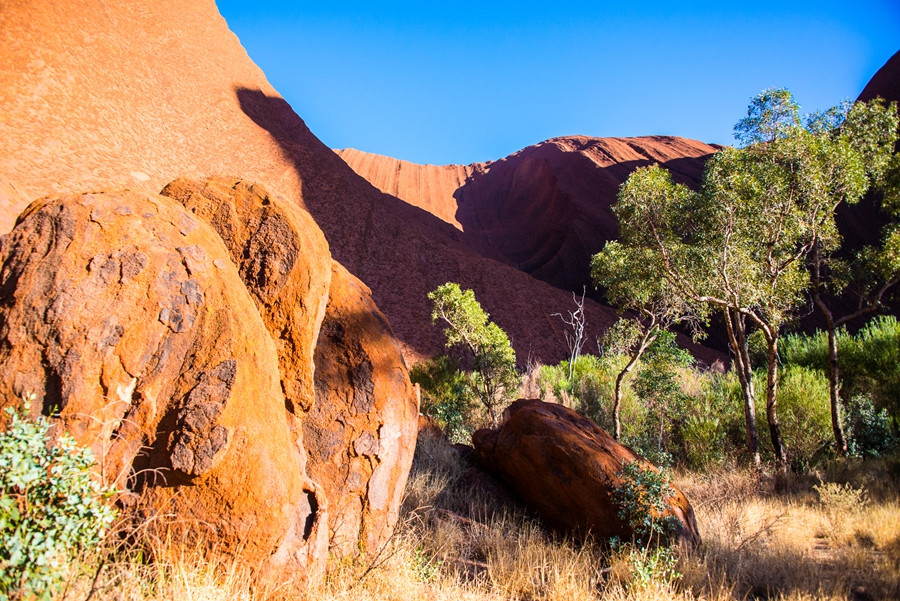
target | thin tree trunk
x=834, y=377
x=772, y=404
x=734, y=325
x=645, y=341
x=834, y=389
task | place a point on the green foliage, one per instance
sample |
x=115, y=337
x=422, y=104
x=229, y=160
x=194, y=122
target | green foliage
x=870, y=373
x=658, y=387
x=805, y=413
x=493, y=359
x=643, y=502
x=771, y=115
x=447, y=396
x=653, y=564
x=51, y=508
x=868, y=429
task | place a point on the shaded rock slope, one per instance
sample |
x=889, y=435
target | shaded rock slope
x=545, y=209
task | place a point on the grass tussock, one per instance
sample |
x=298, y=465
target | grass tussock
x=827, y=536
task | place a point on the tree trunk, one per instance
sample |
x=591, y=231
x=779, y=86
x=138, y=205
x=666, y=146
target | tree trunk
x=737, y=338
x=772, y=404
x=645, y=341
x=834, y=389
x=617, y=403
x=834, y=379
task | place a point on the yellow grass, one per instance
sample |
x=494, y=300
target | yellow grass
x=761, y=541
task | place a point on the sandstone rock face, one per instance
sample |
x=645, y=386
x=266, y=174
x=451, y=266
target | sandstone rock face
x=284, y=261
x=564, y=466
x=125, y=314
x=361, y=432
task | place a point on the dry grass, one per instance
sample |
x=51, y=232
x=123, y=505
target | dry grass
x=800, y=539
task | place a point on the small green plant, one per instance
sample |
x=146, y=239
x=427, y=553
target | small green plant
x=51, y=507
x=643, y=501
x=426, y=567
x=447, y=397
x=653, y=564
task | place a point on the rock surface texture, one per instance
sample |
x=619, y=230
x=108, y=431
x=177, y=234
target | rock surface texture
x=283, y=260
x=564, y=466
x=124, y=313
x=361, y=432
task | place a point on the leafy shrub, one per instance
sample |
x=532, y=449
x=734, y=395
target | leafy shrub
x=868, y=429
x=51, y=508
x=804, y=412
x=643, y=501
x=650, y=565
x=447, y=397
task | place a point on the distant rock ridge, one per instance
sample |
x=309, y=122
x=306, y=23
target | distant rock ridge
x=545, y=209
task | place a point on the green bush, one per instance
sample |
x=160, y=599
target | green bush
x=447, y=397
x=643, y=499
x=51, y=508
x=804, y=412
x=868, y=429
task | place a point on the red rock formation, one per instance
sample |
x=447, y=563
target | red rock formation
x=545, y=209
x=284, y=261
x=124, y=313
x=361, y=432
x=885, y=83
x=137, y=94
x=565, y=467
x=429, y=187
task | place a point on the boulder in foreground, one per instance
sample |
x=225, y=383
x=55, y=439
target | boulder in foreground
x=565, y=467
x=126, y=318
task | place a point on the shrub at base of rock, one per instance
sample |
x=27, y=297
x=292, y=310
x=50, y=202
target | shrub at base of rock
x=126, y=317
x=565, y=467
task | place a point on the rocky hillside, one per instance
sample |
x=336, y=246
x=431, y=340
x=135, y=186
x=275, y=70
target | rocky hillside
x=545, y=209
x=131, y=94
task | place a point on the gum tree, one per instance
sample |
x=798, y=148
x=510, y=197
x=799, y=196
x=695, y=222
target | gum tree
x=740, y=245
x=634, y=285
x=492, y=357
x=865, y=134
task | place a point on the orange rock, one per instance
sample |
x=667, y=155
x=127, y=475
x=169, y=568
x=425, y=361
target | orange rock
x=284, y=261
x=361, y=432
x=124, y=314
x=565, y=467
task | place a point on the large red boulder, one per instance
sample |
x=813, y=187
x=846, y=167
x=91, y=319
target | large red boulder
x=565, y=467
x=125, y=317
x=284, y=261
x=361, y=432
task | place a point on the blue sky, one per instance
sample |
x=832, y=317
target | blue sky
x=465, y=82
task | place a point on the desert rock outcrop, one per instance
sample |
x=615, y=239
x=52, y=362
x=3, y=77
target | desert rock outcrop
x=545, y=209
x=284, y=261
x=565, y=466
x=361, y=432
x=124, y=313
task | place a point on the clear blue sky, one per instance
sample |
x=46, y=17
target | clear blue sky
x=462, y=82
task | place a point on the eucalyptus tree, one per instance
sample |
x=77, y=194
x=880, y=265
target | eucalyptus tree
x=493, y=359
x=863, y=136
x=636, y=287
x=740, y=245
